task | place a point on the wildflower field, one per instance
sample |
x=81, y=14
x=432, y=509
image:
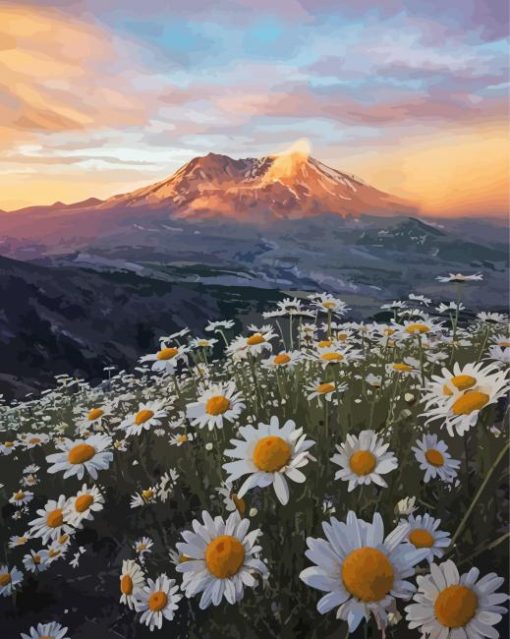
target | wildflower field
x=311, y=477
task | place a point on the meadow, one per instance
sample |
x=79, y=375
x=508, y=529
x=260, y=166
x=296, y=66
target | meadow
x=310, y=477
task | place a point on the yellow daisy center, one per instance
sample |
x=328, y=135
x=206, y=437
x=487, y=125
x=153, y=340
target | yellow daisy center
x=504, y=344
x=19, y=495
x=36, y=559
x=402, y=368
x=455, y=606
x=95, y=413
x=182, y=439
x=434, y=457
x=203, y=342
x=126, y=585
x=157, y=601
x=463, y=382
x=34, y=441
x=325, y=343
x=421, y=538
x=63, y=539
x=253, y=340
x=329, y=305
x=332, y=357
x=8, y=444
x=389, y=331
x=271, y=453
x=417, y=328
x=80, y=453
x=469, y=402
x=367, y=574
x=167, y=353
x=83, y=502
x=217, y=405
x=282, y=358
x=362, y=462
x=143, y=416
x=224, y=556
x=148, y=494
x=327, y=387
x=5, y=578
x=55, y=518
x=342, y=337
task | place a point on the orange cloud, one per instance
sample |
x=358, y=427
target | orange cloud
x=449, y=173
x=55, y=75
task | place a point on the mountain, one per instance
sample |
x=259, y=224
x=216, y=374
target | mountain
x=69, y=320
x=250, y=191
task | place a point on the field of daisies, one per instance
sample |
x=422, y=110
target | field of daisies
x=310, y=477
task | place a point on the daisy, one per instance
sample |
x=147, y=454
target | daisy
x=166, y=359
x=7, y=447
x=231, y=499
x=132, y=581
x=425, y=327
x=499, y=354
x=21, y=498
x=157, y=600
x=93, y=417
x=363, y=460
x=453, y=606
x=323, y=390
x=220, y=325
x=408, y=366
x=54, y=552
x=219, y=402
x=361, y=571
x=9, y=580
x=16, y=541
x=202, y=342
x=269, y=454
x=459, y=278
x=423, y=533
x=82, y=455
x=51, y=522
x=34, y=440
x=146, y=496
x=34, y=563
x=327, y=303
x=221, y=559
x=434, y=458
x=148, y=415
x=180, y=439
x=254, y=344
x=334, y=354
x=463, y=396
x=284, y=359
x=143, y=546
x=83, y=505
x=51, y=630
x=492, y=318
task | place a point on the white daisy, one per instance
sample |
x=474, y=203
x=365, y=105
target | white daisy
x=284, y=359
x=408, y=366
x=143, y=546
x=33, y=440
x=166, y=359
x=51, y=522
x=221, y=559
x=157, y=600
x=327, y=303
x=83, y=505
x=202, y=342
x=21, y=497
x=363, y=460
x=132, y=581
x=434, y=458
x=9, y=580
x=218, y=402
x=82, y=455
x=51, y=630
x=423, y=533
x=361, y=571
x=463, y=395
x=499, y=354
x=33, y=562
x=254, y=344
x=321, y=390
x=148, y=416
x=459, y=278
x=269, y=454
x=453, y=606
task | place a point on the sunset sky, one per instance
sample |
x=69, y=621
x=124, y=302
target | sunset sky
x=99, y=97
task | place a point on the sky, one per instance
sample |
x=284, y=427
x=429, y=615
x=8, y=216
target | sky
x=99, y=97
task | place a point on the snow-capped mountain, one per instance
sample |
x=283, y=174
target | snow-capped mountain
x=291, y=185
